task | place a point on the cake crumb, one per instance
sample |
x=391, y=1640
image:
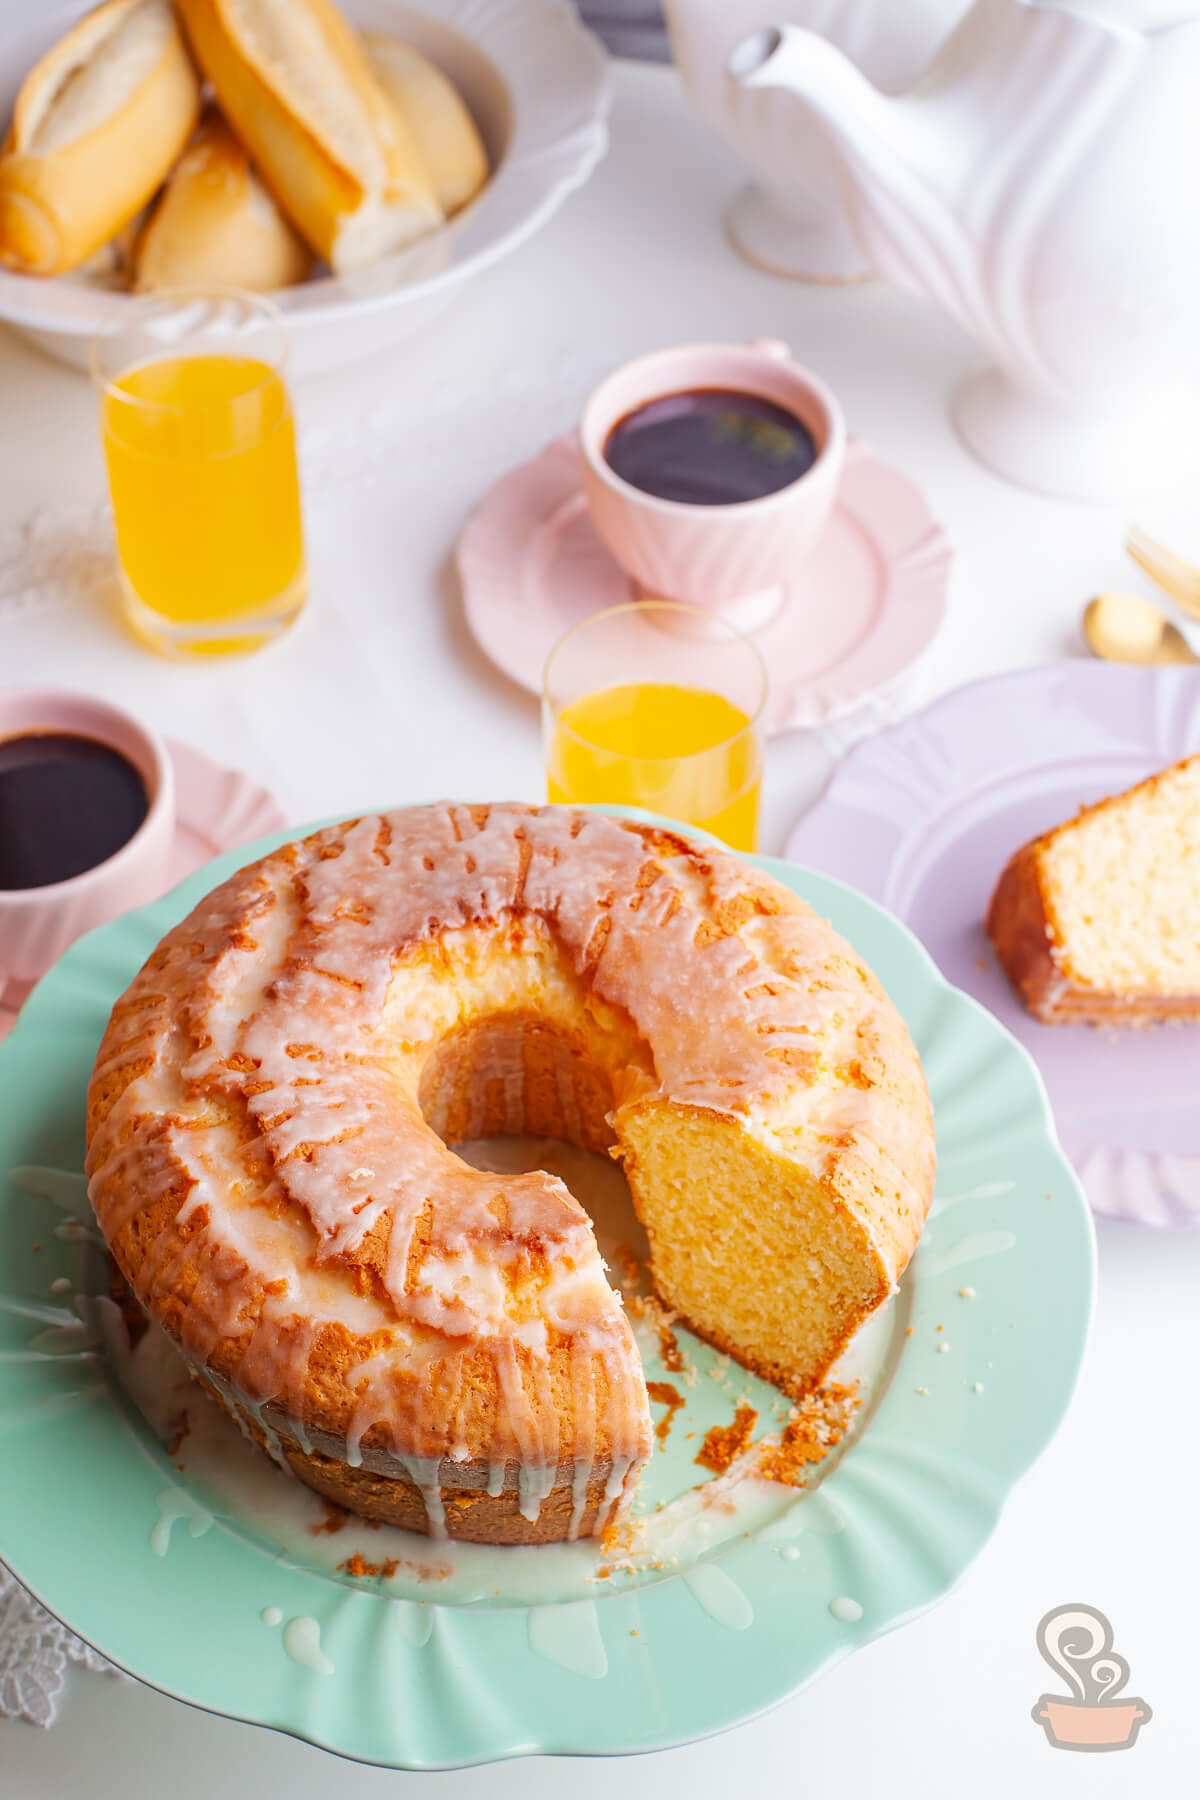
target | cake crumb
x=669, y=1350
x=358, y=1565
x=333, y=1520
x=670, y=1397
x=630, y=1268
x=922, y=1390
x=726, y=1442
x=645, y=1306
x=178, y=1428
x=816, y=1425
x=967, y=1293
x=978, y=1387
x=943, y=1346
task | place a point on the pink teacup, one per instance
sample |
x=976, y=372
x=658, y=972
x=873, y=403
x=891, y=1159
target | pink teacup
x=731, y=559
x=38, y=924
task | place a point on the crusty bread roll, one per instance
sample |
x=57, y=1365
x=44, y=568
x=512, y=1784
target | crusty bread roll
x=294, y=82
x=445, y=134
x=111, y=266
x=216, y=222
x=97, y=125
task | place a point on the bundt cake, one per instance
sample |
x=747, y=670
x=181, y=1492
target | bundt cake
x=273, y=1102
x=1099, y=920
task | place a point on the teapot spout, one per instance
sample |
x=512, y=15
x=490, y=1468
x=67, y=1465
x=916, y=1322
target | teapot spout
x=874, y=139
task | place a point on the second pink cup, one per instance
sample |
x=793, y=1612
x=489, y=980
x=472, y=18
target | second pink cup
x=735, y=559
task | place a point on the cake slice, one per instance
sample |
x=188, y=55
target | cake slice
x=1099, y=920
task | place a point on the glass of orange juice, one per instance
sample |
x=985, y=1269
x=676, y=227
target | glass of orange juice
x=200, y=444
x=653, y=705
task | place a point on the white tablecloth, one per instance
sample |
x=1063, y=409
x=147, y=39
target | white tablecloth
x=380, y=696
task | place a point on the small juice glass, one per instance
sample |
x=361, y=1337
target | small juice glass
x=650, y=705
x=199, y=440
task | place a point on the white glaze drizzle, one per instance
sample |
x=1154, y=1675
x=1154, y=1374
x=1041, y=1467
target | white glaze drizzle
x=720, y=1596
x=302, y=1641
x=66, y=1188
x=413, y=1620
x=268, y=1002
x=569, y=1635
x=174, y=1503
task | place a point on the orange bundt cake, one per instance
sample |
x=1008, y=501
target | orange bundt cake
x=1098, y=921
x=273, y=1105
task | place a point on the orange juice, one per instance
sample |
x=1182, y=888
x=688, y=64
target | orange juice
x=682, y=751
x=201, y=455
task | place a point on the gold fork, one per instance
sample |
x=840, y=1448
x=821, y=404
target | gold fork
x=1179, y=579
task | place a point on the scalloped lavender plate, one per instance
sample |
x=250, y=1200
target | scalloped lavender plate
x=923, y=816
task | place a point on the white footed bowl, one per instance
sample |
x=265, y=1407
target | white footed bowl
x=537, y=83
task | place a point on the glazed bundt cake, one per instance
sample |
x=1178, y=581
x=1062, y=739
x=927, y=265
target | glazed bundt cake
x=273, y=1105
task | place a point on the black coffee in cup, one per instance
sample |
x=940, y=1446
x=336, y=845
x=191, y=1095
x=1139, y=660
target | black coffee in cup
x=710, y=447
x=67, y=803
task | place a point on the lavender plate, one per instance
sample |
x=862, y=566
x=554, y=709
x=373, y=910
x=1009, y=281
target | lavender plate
x=923, y=816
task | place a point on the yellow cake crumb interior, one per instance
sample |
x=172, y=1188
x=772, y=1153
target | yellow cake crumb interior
x=1122, y=884
x=755, y=1255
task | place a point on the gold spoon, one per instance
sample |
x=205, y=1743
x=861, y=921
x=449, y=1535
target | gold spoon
x=1176, y=577
x=1125, y=628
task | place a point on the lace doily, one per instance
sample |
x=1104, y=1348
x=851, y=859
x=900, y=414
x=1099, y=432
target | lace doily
x=34, y=1652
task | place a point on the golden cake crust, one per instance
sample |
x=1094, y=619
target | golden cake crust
x=271, y=1106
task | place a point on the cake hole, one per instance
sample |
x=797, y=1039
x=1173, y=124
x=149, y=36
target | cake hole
x=512, y=1093
x=514, y=1074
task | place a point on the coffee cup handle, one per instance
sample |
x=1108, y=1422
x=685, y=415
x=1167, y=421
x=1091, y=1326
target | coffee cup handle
x=774, y=349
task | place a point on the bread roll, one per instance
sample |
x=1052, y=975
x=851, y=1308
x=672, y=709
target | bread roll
x=111, y=266
x=216, y=222
x=97, y=125
x=445, y=134
x=295, y=84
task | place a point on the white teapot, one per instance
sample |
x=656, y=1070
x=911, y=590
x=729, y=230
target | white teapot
x=792, y=218
x=1039, y=184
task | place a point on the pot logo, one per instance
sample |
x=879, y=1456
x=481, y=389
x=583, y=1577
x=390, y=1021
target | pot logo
x=1077, y=1643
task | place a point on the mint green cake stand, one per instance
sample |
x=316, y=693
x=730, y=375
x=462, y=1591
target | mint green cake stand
x=884, y=1529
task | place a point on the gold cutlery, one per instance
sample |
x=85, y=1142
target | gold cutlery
x=1176, y=577
x=1125, y=628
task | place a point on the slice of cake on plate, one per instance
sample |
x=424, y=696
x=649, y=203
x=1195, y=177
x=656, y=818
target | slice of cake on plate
x=1099, y=920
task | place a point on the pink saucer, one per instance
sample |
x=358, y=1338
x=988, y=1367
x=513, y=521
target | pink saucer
x=864, y=606
x=215, y=809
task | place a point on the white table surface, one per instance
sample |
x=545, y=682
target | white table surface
x=379, y=695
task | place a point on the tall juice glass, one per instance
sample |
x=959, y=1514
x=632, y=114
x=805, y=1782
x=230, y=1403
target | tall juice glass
x=196, y=421
x=654, y=705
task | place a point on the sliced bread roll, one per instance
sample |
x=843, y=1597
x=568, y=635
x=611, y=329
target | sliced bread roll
x=97, y=125
x=216, y=222
x=294, y=82
x=436, y=114
x=110, y=268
